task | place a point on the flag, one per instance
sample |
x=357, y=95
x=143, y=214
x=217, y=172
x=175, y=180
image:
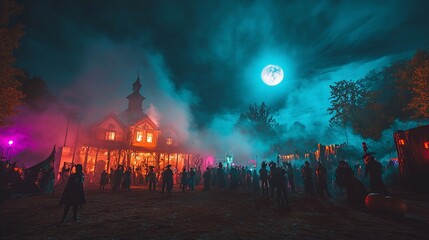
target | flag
x=32, y=172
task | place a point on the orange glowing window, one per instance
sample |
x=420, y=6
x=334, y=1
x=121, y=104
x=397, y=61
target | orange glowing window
x=110, y=135
x=426, y=145
x=401, y=142
x=139, y=136
x=149, y=137
x=169, y=141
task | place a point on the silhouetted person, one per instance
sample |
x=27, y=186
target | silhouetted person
x=168, y=178
x=104, y=179
x=207, y=176
x=374, y=169
x=290, y=176
x=321, y=180
x=263, y=176
x=345, y=178
x=255, y=181
x=307, y=176
x=184, y=179
x=73, y=194
x=126, y=180
x=118, y=177
x=192, y=174
x=271, y=177
x=249, y=180
x=221, y=177
x=151, y=176
x=279, y=184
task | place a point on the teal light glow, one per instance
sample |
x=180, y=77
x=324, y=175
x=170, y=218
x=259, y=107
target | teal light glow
x=259, y=91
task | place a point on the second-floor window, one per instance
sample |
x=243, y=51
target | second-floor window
x=169, y=141
x=110, y=135
x=139, y=136
x=149, y=137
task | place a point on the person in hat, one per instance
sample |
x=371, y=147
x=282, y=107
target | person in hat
x=167, y=176
x=374, y=169
x=263, y=176
x=152, y=179
x=73, y=194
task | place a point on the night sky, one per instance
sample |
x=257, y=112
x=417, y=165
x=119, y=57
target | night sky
x=200, y=61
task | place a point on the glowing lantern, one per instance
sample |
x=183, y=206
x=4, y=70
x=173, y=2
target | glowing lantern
x=401, y=142
x=374, y=202
x=426, y=144
x=10, y=142
x=395, y=205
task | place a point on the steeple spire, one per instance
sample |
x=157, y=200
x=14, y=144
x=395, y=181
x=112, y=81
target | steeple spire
x=135, y=99
x=137, y=85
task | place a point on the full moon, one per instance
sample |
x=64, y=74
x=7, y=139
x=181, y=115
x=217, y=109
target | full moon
x=272, y=75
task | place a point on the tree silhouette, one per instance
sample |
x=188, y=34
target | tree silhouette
x=10, y=93
x=257, y=121
x=346, y=97
x=418, y=72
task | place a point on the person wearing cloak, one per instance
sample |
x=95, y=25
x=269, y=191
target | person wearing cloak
x=73, y=194
x=152, y=179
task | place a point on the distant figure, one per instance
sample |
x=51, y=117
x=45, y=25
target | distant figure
x=126, y=180
x=307, y=176
x=249, y=180
x=151, y=179
x=207, y=176
x=345, y=178
x=280, y=184
x=73, y=194
x=118, y=177
x=272, y=166
x=374, y=169
x=255, y=182
x=47, y=181
x=192, y=174
x=263, y=176
x=112, y=178
x=184, y=179
x=321, y=180
x=168, y=178
x=221, y=177
x=290, y=176
x=104, y=179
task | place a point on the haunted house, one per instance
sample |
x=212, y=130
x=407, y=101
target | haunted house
x=412, y=146
x=131, y=139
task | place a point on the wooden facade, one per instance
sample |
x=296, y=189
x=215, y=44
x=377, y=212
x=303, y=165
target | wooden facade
x=130, y=139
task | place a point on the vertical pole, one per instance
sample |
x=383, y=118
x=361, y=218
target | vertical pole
x=67, y=130
x=75, y=142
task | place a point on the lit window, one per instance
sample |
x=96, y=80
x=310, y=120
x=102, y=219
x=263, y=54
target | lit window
x=139, y=136
x=426, y=145
x=169, y=141
x=149, y=137
x=401, y=142
x=110, y=135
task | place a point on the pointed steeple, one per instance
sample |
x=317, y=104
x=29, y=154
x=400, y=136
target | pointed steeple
x=135, y=99
x=137, y=85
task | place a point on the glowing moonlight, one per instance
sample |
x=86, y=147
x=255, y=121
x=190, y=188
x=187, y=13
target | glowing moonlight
x=272, y=75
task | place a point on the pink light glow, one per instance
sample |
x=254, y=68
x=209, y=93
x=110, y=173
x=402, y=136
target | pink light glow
x=10, y=142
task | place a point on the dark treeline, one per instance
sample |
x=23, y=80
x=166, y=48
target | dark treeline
x=372, y=104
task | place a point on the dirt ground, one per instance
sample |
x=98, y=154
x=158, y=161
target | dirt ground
x=140, y=214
